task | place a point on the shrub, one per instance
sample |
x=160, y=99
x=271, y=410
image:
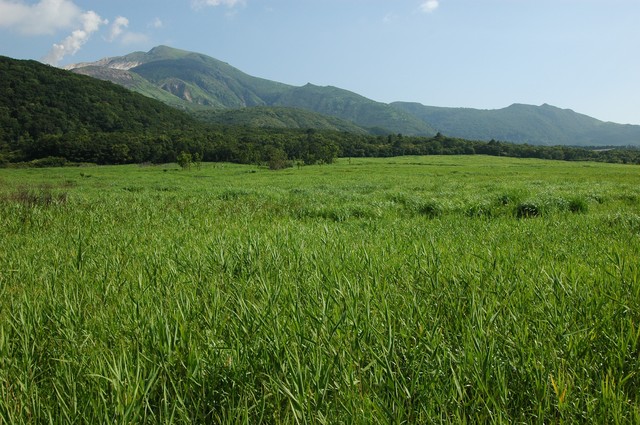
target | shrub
x=231, y=194
x=277, y=159
x=185, y=159
x=279, y=164
x=430, y=209
x=480, y=210
x=42, y=196
x=50, y=161
x=578, y=205
x=527, y=210
x=508, y=198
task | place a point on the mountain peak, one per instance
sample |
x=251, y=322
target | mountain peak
x=166, y=52
x=161, y=49
x=134, y=59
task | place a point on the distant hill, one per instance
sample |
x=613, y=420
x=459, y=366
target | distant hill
x=538, y=125
x=193, y=80
x=45, y=108
x=355, y=108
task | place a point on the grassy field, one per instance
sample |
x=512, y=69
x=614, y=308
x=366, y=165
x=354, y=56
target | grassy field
x=400, y=290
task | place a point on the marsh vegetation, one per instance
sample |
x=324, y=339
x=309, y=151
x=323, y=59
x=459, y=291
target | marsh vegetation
x=398, y=290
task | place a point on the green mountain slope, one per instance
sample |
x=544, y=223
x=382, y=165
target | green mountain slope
x=41, y=104
x=134, y=82
x=204, y=80
x=540, y=125
x=197, y=79
x=353, y=107
x=277, y=117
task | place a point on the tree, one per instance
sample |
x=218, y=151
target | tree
x=120, y=153
x=184, y=160
x=277, y=158
x=197, y=159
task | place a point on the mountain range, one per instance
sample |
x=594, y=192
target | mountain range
x=217, y=92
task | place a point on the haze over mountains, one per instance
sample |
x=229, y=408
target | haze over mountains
x=221, y=93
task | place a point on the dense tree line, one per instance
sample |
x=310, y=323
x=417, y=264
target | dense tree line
x=241, y=145
x=263, y=146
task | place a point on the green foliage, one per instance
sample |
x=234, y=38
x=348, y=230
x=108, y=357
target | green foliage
x=277, y=159
x=184, y=160
x=42, y=196
x=578, y=205
x=45, y=111
x=527, y=210
x=50, y=161
x=277, y=117
x=430, y=209
x=350, y=106
x=197, y=160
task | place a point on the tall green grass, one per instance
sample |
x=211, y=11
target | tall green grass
x=407, y=290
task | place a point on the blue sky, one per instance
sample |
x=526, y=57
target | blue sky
x=578, y=54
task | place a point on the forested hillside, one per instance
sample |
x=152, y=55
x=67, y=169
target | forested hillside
x=46, y=100
x=46, y=111
x=276, y=117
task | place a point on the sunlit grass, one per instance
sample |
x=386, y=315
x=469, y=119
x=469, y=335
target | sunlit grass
x=384, y=290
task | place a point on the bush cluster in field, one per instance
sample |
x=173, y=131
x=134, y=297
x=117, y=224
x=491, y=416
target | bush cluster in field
x=365, y=292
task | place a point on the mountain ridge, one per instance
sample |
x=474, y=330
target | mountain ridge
x=195, y=82
x=207, y=81
x=522, y=123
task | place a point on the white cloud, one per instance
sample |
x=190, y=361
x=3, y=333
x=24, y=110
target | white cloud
x=48, y=17
x=43, y=17
x=117, y=27
x=429, y=6
x=91, y=22
x=156, y=23
x=197, y=4
x=118, y=31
